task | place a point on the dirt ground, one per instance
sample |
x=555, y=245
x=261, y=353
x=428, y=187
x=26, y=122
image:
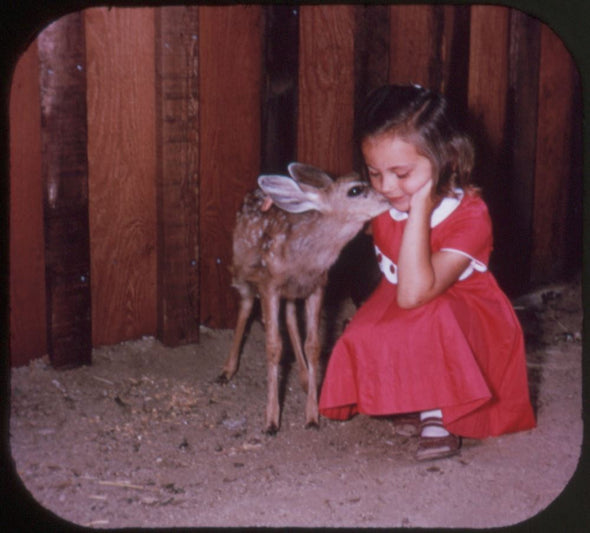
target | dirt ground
x=145, y=437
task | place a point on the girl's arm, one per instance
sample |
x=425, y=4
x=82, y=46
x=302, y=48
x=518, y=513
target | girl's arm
x=423, y=275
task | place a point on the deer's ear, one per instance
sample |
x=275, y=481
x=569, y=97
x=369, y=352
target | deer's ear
x=287, y=194
x=309, y=175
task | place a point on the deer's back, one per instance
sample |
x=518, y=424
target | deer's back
x=274, y=248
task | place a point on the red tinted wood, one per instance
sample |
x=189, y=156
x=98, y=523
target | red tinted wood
x=415, y=51
x=487, y=94
x=454, y=53
x=177, y=178
x=326, y=87
x=279, y=104
x=554, y=158
x=371, y=48
x=28, y=328
x=65, y=171
x=521, y=136
x=122, y=164
x=230, y=60
x=429, y=45
x=488, y=69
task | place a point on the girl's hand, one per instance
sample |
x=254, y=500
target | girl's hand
x=423, y=199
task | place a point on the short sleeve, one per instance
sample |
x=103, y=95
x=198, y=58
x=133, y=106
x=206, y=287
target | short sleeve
x=467, y=230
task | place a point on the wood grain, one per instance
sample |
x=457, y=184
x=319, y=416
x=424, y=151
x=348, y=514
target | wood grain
x=177, y=177
x=487, y=100
x=122, y=172
x=230, y=77
x=521, y=137
x=553, y=172
x=326, y=87
x=415, y=55
x=28, y=328
x=488, y=72
x=65, y=169
x=279, y=101
x=371, y=49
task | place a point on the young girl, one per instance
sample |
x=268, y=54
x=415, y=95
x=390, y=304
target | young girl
x=437, y=336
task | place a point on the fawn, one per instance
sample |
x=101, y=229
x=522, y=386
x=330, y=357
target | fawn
x=288, y=234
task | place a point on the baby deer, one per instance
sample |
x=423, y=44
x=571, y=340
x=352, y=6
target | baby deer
x=288, y=234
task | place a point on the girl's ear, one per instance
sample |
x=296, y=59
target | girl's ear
x=309, y=175
x=287, y=194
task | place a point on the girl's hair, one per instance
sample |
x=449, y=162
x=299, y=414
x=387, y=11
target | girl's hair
x=421, y=117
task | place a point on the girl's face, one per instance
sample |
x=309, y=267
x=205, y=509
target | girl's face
x=395, y=168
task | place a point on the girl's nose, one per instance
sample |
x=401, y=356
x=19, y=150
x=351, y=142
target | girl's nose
x=390, y=184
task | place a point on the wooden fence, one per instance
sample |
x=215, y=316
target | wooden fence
x=135, y=133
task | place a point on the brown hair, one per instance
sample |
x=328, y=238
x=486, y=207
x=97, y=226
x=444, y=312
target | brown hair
x=423, y=118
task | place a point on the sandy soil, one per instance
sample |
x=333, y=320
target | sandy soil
x=145, y=437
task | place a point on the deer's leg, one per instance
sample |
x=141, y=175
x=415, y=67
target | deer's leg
x=292, y=327
x=231, y=364
x=313, y=306
x=270, y=311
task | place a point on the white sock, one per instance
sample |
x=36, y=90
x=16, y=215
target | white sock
x=433, y=431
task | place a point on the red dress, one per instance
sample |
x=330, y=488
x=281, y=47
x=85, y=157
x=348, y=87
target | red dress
x=462, y=352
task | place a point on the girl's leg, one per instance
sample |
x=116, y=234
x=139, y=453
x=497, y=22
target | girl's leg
x=435, y=441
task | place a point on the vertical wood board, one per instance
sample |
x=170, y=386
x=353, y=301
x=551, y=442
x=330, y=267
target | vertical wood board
x=279, y=103
x=371, y=50
x=521, y=133
x=487, y=96
x=415, y=45
x=122, y=164
x=488, y=72
x=28, y=328
x=65, y=176
x=554, y=157
x=326, y=87
x=230, y=62
x=177, y=174
x=454, y=54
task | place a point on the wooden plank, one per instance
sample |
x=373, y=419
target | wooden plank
x=428, y=47
x=521, y=136
x=454, y=54
x=371, y=56
x=279, y=103
x=177, y=176
x=487, y=93
x=28, y=328
x=327, y=94
x=415, y=54
x=230, y=60
x=122, y=172
x=553, y=172
x=65, y=171
x=371, y=49
x=326, y=87
x=488, y=72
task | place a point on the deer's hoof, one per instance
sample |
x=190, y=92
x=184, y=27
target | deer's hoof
x=313, y=424
x=271, y=429
x=222, y=379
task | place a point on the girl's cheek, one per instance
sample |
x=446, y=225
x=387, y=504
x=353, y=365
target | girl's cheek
x=376, y=183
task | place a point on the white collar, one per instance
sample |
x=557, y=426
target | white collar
x=442, y=211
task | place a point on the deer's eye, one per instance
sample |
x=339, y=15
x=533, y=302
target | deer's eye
x=356, y=190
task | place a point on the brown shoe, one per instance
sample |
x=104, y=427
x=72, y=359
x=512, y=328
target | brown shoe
x=430, y=448
x=406, y=425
